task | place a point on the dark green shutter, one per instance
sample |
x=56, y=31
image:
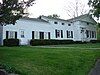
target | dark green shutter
x=15, y=35
x=71, y=34
x=56, y=33
x=48, y=35
x=32, y=34
x=61, y=33
x=67, y=34
x=7, y=34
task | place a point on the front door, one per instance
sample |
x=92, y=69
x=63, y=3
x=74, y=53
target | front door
x=23, y=40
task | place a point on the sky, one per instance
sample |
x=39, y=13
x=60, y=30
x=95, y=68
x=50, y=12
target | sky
x=49, y=7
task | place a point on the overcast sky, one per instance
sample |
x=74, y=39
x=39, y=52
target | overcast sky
x=49, y=7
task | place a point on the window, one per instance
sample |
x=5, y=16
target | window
x=36, y=35
x=22, y=34
x=57, y=33
x=87, y=23
x=48, y=35
x=63, y=23
x=41, y=35
x=11, y=34
x=87, y=33
x=32, y=34
x=55, y=22
x=69, y=34
x=93, y=34
x=69, y=24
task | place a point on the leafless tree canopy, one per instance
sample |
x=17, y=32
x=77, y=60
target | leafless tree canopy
x=75, y=9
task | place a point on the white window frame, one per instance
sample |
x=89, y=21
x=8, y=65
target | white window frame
x=22, y=33
x=11, y=34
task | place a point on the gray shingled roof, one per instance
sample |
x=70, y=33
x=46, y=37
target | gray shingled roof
x=53, y=18
x=82, y=18
x=34, y=19
x=79, y=18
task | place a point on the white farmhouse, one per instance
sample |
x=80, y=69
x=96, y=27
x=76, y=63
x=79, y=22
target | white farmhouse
x=82, y=28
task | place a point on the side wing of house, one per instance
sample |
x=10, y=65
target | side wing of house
x=87, y=28
x=1, y=34
x=84, y=28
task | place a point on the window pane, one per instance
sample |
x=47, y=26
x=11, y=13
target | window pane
x=41, y=35
x=22, y=34
x=11, y=34
x=58, y=33
x=55, y=22
x=87, y=33
x=63, y=23
x=69, y=24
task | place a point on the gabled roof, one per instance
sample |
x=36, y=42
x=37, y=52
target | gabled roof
x=34, y=19
x=86, y=18
x=53, y=18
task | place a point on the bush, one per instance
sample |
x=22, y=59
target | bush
x=95, y=41
x=35, y=42
x=11, y=42
x=80, y=42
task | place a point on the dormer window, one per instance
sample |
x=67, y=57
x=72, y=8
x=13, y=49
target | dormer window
x=69, y=24
x=63, y=23
x=55, y=22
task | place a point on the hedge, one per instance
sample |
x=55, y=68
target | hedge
x=35, y=42
x=95, y=41
x=11, y=42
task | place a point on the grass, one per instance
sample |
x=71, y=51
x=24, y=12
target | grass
x=50, y=61
x=98, y=36
x=88, y=45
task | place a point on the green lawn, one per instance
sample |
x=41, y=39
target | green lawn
x=98, y=36
x=50, y=61
x=88, y=45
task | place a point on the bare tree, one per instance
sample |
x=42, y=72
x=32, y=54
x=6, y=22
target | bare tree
x=75, y=9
